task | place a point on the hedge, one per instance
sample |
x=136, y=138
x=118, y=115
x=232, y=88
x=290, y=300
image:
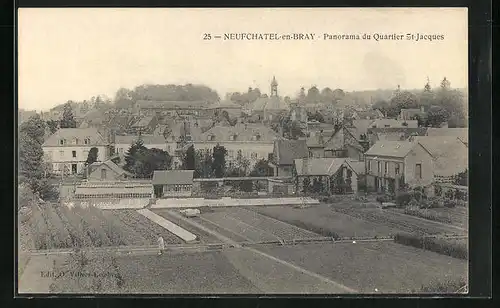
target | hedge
x=428, y=215
x=455, y=250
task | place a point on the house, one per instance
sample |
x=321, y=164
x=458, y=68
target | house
x=393, y=133
x=171, y=108
x=68, y=148
x=389, y=164
x=342, y=143
x=173, y=183
x=367, y=114
x=251, y=141
x=107, y=171
x=220, y=107
x=412, y=114
x=386, y=123
x=122, y=143
x=461, y=133
x=326, y=175
x=450, y=156
x=284, y=153
x=145, y=125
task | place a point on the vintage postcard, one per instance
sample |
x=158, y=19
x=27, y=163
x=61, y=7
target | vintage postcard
x=243, y=151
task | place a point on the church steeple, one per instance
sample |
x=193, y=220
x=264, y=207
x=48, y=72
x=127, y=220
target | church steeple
x=274, y=87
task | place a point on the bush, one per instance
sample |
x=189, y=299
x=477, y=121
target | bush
x=450, y=203
x=383, y=199
x=447, y=287
x=452, y=249
x=428, y=215
x=403, y=198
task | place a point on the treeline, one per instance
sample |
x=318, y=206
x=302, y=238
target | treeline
x=126, y=98
x=443, y=104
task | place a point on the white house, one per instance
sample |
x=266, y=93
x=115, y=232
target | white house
x=68, y=148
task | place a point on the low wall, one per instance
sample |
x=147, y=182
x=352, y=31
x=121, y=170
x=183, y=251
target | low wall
x=198, y=202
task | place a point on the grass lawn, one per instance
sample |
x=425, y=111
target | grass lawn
x=385, y=266
x=324, y=218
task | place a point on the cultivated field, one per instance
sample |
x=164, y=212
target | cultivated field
x=242, y=224
x=364, y=266
x=395, y=219
x=325, y=220
x=457, y=216
x=55, y=226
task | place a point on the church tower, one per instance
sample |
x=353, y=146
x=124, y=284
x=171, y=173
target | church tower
x=274, y=87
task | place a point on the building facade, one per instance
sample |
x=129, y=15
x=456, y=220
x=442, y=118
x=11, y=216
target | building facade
x=68, y=149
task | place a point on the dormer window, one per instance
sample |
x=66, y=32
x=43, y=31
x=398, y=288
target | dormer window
x=87, y=140
x=232, y=137
x=256, y=137
x=62, y=142
x=211, y=138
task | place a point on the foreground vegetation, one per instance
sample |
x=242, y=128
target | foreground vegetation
x=453, y=248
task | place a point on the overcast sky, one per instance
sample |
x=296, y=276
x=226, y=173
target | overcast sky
x=73, y=54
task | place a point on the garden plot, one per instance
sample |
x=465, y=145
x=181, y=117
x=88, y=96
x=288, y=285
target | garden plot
x=404, y=222
x=54, y=227
x=327, y=222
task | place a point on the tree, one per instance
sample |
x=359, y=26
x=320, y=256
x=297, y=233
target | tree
x=462, y=178
x=133, y=156
x=261, y=168
x=203, y=165
x=436, y=116
x=52, y=125
x=125, y=98
x=30, y=161
x=305, y=185
x=219, y=161
x=189, y=159
x=318, y=186
x=313, y=95
x=34, y=128
x=67, y=120
x=92, y=156
x=445, y=84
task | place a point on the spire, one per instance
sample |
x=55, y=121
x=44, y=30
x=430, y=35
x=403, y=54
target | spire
x=274, y=87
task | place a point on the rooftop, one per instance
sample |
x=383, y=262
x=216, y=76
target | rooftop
x=173, y=177
x=318, y=166
x=285, y=151
x=75, y=136
x=240, y=132
x=391, y=148
x=146, y=139
x=150, y=104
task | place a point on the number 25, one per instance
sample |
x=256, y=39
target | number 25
x=207, y=36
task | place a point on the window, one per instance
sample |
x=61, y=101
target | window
x=418, y=171
x=386, y=167
x=120, y=150
x=396, y=169
x=73, y=154
x=87, y=140
x=254, y=155
x=61, y=153
x=103, y=174
x=378, y=167
x=369, y=166
x=61, y=142
x=231, y=153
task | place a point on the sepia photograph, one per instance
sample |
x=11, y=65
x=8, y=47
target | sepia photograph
x=190, y=151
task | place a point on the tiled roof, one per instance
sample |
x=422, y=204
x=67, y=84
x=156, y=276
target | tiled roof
x=318, y=166
x=69, y=134
x=405, y=131
x=286, y=151
x=143, y=122
x=381, y=123
x=357, y=166
x=118, y=170
x=463, y=133
x=450, y=154
x=269, y=103
x=224, y=105
x=146, y=139
x=171, y=177
x=241, y=132
x=391, y=148
x=146, y=104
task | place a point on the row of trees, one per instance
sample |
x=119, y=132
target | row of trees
x=443, y=105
